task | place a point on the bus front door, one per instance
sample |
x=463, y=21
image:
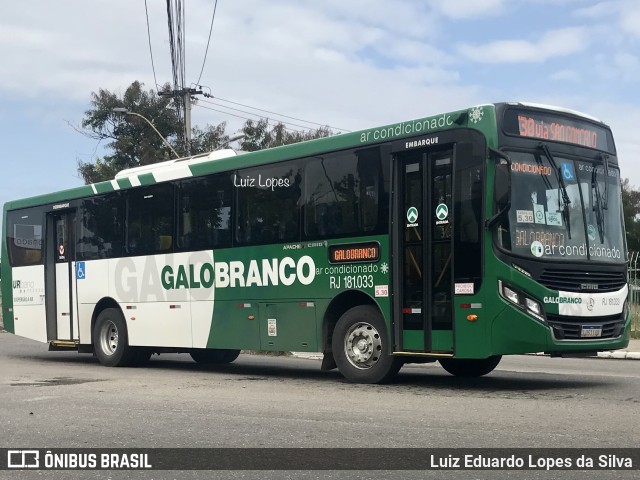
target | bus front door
x=60, y=277
x=423, y=275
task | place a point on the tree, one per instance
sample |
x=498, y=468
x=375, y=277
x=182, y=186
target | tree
x=258, y=135
x=211, y=138
x=631, y=208
x=132, y=140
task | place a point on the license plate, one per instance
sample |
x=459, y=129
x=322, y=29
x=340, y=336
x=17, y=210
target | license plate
x=590, y=332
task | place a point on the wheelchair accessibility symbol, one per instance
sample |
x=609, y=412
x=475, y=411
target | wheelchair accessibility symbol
x=567, y=171
x=80, y=273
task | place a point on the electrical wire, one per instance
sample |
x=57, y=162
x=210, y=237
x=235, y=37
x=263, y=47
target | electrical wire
x=251, y=113
x=175, y=18
x=252, y=119
x=146, y=11
x=275, y=113
x=209, y=40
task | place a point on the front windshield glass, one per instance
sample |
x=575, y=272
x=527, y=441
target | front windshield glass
x=539, y=224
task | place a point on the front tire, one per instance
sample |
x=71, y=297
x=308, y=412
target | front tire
x=110, y=340
x=462, y=367
x=361, y=345
x=214, y=356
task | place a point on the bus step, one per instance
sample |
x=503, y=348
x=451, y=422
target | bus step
x=62, y=345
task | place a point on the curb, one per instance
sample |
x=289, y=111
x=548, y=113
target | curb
x=620, y=355
x=616, y=355
x=613, y=354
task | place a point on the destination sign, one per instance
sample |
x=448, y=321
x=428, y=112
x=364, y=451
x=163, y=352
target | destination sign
x=354, y=252
x=556, y=128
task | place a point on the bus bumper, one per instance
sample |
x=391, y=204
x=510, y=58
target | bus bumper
x=514, y=332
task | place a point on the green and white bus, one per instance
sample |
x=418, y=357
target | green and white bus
x=455, y=238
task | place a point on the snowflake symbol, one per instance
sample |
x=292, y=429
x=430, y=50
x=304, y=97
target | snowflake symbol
x=476, y=114
x=384, y=268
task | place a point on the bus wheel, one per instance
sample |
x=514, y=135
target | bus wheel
x=462, y=367
x=214, y=356
x=360, y=346
x=110, y=340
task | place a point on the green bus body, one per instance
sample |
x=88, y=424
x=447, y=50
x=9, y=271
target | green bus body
x=445, y=267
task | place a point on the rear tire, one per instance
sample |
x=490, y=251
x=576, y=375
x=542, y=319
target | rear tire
x=462, y=367
x=214, y=356
x=361, y=344
x=110, y=340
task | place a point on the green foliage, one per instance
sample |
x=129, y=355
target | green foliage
x=133, y=141
x=211, y=138
x=631, y=207
x=258, y=135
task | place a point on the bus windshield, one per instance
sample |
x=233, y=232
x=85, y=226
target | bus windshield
x=572, y=214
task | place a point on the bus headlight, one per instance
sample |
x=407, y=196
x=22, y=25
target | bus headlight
x=521, y=300
x=533, y=306
x=510, y=295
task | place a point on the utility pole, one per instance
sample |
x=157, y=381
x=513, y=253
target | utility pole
x=185, y=93
x=187, y=120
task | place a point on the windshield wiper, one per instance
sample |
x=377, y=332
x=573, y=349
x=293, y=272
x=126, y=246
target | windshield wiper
x=563, y=188
x=546, y=181
x=599, y=204
x=605, y=164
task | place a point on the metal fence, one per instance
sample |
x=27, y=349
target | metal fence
x=634, y=292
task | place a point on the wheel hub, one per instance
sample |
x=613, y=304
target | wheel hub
x=363, y=345
x=109, y=338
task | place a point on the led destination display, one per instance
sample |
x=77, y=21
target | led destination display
x=556, y=128
x=354, y=252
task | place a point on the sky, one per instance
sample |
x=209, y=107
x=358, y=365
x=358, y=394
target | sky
x=349, y=64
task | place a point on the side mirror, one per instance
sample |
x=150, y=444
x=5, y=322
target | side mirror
x=502, y=186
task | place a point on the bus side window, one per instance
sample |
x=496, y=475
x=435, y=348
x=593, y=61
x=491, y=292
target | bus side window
x=268, y=204
x=100, y=229
x=150, y=219
x=204, y=219
x=342, y=196
x=24, y=237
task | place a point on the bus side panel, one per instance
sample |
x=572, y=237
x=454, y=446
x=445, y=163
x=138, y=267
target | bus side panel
x=235, y=325
x=514, y=332
x=6, y=297
x=29, y=313
x=288, y=326
x=153, y=292
x=199, y=270
x=201, y=320
x=91, y=287
x=159, y=324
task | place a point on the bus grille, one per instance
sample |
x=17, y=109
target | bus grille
x=570, y=328
x=576, y=281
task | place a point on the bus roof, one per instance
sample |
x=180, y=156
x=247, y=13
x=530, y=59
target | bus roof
x=480, y=117
x=557, y=109
x=218, y=162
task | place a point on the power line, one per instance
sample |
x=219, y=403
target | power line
x=251, y=113
x=146, y=11
x=252, y=119
x=275, y=113
x=209, y=40
x=175, y=18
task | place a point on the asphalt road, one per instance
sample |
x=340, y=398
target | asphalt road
x=63, y=399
